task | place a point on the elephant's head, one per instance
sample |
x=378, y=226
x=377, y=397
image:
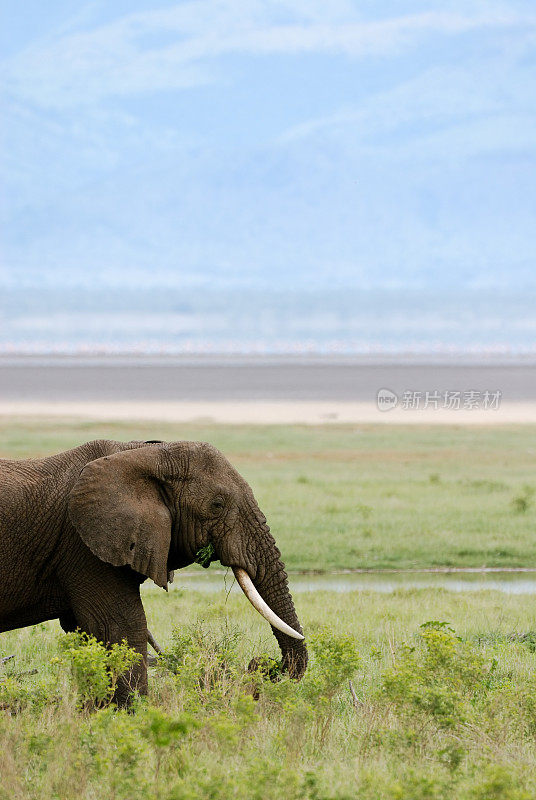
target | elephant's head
x=154, y=507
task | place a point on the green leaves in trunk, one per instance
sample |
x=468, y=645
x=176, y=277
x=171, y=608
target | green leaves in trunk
x=205, y=555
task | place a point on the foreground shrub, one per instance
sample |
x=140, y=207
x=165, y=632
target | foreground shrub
x=95, y=668
x=309, y=708
x=442, y=676
x=439, y=722
x=334, y=661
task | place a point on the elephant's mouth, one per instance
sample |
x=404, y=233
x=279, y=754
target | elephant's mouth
x=206, y=555
x=247, y=586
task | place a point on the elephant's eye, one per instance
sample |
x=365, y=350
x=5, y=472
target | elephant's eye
x=217, y=504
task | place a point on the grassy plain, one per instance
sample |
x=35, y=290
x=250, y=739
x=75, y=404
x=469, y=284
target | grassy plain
x=445, y=719
x=360, y=496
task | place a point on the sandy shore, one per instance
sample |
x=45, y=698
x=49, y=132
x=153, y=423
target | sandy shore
x=269, y=412
x=283, y=390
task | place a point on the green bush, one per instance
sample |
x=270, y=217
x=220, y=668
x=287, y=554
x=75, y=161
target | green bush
x=334, y=661
x=441, y=676
x=309, y=708
x=95, y=668
x=522, y=501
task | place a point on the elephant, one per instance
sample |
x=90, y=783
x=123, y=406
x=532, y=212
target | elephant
x=80, y=532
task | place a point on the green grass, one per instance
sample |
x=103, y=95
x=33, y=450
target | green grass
x=346, y=497
x=456, y=722
x=437, y=718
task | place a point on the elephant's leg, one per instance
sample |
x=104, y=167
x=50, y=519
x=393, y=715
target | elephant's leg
x=136, y=636
x=108, y=606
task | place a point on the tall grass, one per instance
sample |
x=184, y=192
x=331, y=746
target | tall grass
x=440, y=711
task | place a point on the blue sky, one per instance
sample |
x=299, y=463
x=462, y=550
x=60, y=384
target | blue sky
x=243, y=143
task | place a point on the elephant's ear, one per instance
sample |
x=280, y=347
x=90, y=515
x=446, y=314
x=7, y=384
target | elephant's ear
x=117, y=509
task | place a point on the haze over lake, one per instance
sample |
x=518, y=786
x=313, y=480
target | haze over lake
x=205, y=319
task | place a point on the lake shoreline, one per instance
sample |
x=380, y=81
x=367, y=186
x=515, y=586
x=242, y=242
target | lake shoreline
x=295, y=390
x=388, y=571
x=264, y=412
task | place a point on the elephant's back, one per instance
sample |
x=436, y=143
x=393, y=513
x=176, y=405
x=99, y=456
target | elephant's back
x=20, y=493
x=35, y=489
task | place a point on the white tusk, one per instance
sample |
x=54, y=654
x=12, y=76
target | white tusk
x=246, y=584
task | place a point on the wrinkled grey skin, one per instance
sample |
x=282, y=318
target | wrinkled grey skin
x=81, y=530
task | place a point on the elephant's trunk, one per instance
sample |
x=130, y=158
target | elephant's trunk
x=274, y=590
x=253, y=551
x=271, y=583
